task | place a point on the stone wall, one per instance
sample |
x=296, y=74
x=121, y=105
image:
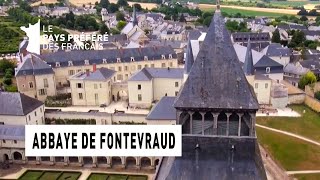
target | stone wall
x=296, y=98
x=100, y=117
x=312, y=103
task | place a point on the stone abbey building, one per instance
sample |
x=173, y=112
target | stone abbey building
x=217, y=110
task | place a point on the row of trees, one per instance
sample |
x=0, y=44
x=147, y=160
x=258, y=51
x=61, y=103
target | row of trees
x=7, y=69
x=304, y=12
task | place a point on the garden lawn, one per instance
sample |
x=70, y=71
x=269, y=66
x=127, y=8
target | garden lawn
x=70, y=175
x=308, y=125
x=292, y=153
x=307, y=176
x=50, y=175
x=102, y=176
x=31, y=175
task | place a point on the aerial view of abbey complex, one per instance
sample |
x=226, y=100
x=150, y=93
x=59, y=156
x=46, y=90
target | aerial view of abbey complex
x=241, y=78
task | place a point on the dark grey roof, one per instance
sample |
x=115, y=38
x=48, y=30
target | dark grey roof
x=248, y=62
x=245, y=36
x=276, y=49
x=17, y=104
x=292, y=27
x=189, y=58
x=33, y=65
x=12, y=132
x=135, y=20
x=163, y=110
x=265, y=61
x=194, y=34
x=116, y=38
x=216, y=79
x=258, y=76
x=100, y=74
x=147, y=74
x=111, y=55
x=311, y=64
x=213, y=160
x=311, y=33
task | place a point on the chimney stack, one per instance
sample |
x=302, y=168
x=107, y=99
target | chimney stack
x=88, y=72
x=94, y=67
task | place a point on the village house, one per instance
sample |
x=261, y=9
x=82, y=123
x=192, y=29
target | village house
x=35, y=78
x=92, y=88
x=258, y=40
x=19, y=109
x=151, y=84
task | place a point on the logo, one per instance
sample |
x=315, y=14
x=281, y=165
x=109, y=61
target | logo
x=33, y=33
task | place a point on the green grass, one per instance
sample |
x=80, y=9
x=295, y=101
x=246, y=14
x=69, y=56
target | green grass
x=292, y=153
x=70, y=175
x=49, y=175
x=102, y=176
x=307, y=125
x=31, y=175
x=245, y=12
x=307, y=176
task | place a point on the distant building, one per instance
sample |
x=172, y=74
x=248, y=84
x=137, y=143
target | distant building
x=278, y=53
x=293, y=73
x=151, y=84
x=258, y=40
x=19, y=109
x=92, y=88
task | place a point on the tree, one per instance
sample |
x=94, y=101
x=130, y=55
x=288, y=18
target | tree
x=182, y=18
x=6, y=64
x=303, y=12
x=298, y=39
x=104, y=29
x=276, y=36
x=113, y=8
x=104, y=3
x=123, y=3
x=317, y=95
x=304, y=18
x=313, y=12
x=138, y=7
x=207, y=21
x=120, y=16
x=307, y=79
x=121, y=25
x=114, y=31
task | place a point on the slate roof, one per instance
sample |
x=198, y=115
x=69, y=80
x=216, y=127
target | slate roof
x=258, y=76
x=245, y=36
x=146, y=74
x=265, y=61
x=163, y=110
x=12, y=132
x=17, y=104
x=111, y=55
x=33, y=65
x=216, y=79
x=293, y=69
x=276, y=49
x=99, y=75
x=248, y=67
x=193, y=34
x=213, y=160
x=189, y=58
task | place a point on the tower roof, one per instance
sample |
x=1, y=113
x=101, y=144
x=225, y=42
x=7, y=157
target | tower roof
x=135, y=20
x=216, y=79
x=248, y=67
x=189, y=58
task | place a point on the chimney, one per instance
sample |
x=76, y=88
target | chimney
x=140, y=49
x=94, y=67
x=88, y=72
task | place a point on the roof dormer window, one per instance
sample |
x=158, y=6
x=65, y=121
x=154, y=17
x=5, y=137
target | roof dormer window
x=146, y=58
x=118, y=60
x=267, y=69
x=170, y=56
x=163, y=56
x=104, y=61
x=132, y=59
x=70, y=63
x=86, y=62
x=57, y=64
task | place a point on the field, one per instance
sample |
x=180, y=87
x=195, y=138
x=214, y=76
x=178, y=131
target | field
x=293, y=154
x=255, y=10
x=307, y=176
x=10, y=44
x=49, y=175
x=308, y=125
x=101, y=176
x=81, y=2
